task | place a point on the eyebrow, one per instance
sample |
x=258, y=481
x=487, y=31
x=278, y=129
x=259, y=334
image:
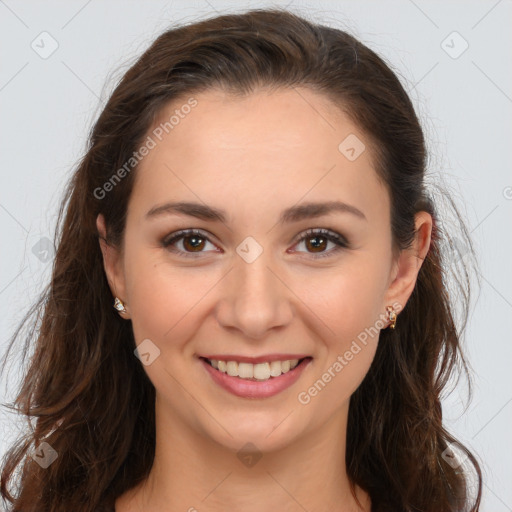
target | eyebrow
x=293, y=214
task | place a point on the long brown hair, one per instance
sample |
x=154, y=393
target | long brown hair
x=91, y=399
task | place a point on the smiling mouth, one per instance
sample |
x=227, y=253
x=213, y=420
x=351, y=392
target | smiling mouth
x=256, y=372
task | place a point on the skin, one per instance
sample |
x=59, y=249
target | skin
x=254, y=157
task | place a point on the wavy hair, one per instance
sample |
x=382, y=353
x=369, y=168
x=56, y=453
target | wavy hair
x=87, y=394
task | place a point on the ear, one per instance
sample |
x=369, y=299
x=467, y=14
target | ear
x=112, y=263
x=405, y=270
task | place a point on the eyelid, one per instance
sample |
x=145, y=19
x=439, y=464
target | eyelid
x=328, y=233
x=331, y=235
x=168, y=240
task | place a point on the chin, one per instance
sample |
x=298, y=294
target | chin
x=264, y=435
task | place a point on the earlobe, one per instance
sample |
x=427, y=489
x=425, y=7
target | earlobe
x=409, y=262
x=112, y=267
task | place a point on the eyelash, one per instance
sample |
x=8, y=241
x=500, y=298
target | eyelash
x=332, y=236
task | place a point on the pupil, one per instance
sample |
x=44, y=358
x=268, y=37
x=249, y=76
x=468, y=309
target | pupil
x=194, y=241
x=317, y=245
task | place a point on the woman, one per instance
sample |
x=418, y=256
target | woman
x=252, y=203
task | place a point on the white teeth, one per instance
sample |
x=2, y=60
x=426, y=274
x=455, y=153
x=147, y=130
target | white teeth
x=232, y=368
x=259, y=371
x=275, y=368
x=262, y=371
x=245, y=370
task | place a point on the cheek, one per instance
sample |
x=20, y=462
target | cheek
x=348, y=299
x=350, y=304
x=350, y=310
x=163, y=300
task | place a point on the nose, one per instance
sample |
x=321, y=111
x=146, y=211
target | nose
x=254, y=299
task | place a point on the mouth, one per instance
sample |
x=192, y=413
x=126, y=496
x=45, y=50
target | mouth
x=257, y=372
x=261, y=380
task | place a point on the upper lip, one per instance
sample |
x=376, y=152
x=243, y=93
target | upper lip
x=254, y=360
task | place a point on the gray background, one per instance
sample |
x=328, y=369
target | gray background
x=464, y=99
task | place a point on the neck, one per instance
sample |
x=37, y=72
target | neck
x=192, y=472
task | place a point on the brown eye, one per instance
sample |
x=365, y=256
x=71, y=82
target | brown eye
x=316, y=242
x=191, y=241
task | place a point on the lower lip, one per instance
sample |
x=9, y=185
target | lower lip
x=254, y=389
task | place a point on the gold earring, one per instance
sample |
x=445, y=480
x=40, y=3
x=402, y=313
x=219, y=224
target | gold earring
x=118, y=304
x=391, y=317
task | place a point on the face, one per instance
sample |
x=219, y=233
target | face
x=265, y=274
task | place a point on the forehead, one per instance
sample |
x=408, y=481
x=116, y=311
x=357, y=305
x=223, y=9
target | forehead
x=269, y=146
x=263, y=122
